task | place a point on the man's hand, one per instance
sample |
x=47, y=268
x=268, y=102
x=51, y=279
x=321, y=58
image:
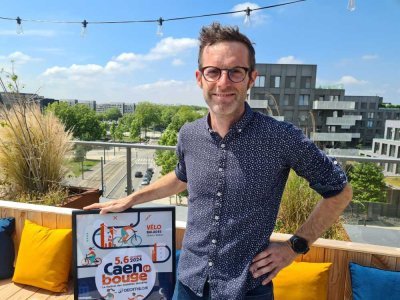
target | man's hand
x=273, y=259
x=112, y=206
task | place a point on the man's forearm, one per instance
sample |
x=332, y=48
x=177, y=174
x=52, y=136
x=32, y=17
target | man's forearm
x=165, y=186
x=324, y=215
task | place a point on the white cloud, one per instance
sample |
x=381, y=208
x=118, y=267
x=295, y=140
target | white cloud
x=128, y=61
x=256, y=16
x=18, y=58
x=171, y=47
x=40, y=33
x=370, y=56
x=177, y=62
x=289, y=60
x=350, y=80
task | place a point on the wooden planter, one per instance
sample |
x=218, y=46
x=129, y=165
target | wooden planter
x=80, y=197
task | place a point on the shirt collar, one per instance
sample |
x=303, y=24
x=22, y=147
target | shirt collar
x=239, y=125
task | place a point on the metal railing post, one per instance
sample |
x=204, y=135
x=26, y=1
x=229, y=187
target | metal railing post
x=128, y=171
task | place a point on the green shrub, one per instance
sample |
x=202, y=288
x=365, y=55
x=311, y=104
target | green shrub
x=298, y=201
x=33, y=147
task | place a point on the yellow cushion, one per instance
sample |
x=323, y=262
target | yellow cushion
x=302, y=280
x=44, y=257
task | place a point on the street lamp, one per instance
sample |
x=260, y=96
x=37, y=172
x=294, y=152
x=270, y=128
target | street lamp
x=275, y=102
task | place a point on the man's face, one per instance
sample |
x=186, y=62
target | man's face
x=224, y=97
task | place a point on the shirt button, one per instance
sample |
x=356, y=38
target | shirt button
x=222, y=145
x=210, y=263
x=219, y=194
x=220, y=169
x=335, y=162
x=216, y=218
x=214, y=241
x=239, y=130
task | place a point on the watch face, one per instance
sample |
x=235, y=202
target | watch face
x=299, y=244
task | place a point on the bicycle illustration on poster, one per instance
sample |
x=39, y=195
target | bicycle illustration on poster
x=127, y=255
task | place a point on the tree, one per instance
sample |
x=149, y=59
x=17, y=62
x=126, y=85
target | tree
x=147, y=114
x=112, y=114
x=80, y=119
x=368, y=184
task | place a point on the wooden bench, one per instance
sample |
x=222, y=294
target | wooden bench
x=337, y=252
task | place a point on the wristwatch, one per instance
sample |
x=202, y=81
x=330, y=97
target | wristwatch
x=299, y=244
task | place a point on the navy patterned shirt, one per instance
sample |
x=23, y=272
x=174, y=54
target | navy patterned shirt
x=235, y=186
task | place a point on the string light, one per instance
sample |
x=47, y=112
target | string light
x=84, y=28
x=159, y=27
x=247, y=20
x=19, y=29
x=351, y=6
x=159, y=21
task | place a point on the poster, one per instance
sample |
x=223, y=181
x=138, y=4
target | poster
x=124, y=256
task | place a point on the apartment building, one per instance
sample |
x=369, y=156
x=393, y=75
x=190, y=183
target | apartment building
x=388, y=147
x=290, y=91
x=326, y=115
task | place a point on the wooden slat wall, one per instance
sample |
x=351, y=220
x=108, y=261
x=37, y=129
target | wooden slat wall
x=337, y=252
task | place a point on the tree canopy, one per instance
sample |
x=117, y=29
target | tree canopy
x=80, y=119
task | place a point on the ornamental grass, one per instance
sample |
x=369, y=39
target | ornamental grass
x=33, y=147
x=298, y=201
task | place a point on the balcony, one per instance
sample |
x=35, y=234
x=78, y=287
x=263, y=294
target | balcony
x=333, y=136
x=334, y=105
x=258, y=103
x=346, y=120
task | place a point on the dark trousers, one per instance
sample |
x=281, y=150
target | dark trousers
x=182, y=292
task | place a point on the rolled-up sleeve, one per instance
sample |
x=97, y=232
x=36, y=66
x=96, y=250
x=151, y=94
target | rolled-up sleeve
x=324, y=173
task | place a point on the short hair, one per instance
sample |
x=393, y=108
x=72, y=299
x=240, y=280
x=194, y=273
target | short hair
x=216, y=33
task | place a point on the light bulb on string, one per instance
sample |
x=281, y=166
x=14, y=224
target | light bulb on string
x=19, y=29
x=247, y=20
x=84, y=28
x=351, y=6
x=159, y=27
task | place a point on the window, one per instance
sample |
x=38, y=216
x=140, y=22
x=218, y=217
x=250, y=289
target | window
x=275, y=81
x=260, y=81
x=372, y=105
x=290, y=82
x=370, y=115
x=271, y=101
x=333, y=98
x=288, y=115
x=392, y=150
x=397, y=134
x=259, y=96
x=376, y=147
x=288, y=100
x=305, y=82
x=370, y=124
x=303, y=99
x=389, y=133
x=321, y=98
x=363, y=105
x=384, y=149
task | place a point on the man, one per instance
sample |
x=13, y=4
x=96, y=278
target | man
x=235, y=163
x=127, y=232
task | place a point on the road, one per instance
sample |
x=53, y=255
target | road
x=114, y=171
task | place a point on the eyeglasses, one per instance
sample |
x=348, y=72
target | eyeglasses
x=236, y=74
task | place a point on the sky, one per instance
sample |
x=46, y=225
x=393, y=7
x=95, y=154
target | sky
x=359, y=49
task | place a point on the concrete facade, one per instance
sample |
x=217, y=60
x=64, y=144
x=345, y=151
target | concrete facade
x=326, y=115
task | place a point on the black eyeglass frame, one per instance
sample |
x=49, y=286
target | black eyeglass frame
x=228, y=70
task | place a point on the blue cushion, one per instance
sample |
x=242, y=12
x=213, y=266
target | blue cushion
x=371, y=283
x=7, y=226
x=177, y=255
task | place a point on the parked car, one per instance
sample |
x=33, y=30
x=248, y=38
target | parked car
x=138, y=174
x=126, y=189
x=145, y=181
x=150, y=170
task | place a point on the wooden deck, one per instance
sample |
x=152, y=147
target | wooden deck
x=10, y=290
x=337, y=252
